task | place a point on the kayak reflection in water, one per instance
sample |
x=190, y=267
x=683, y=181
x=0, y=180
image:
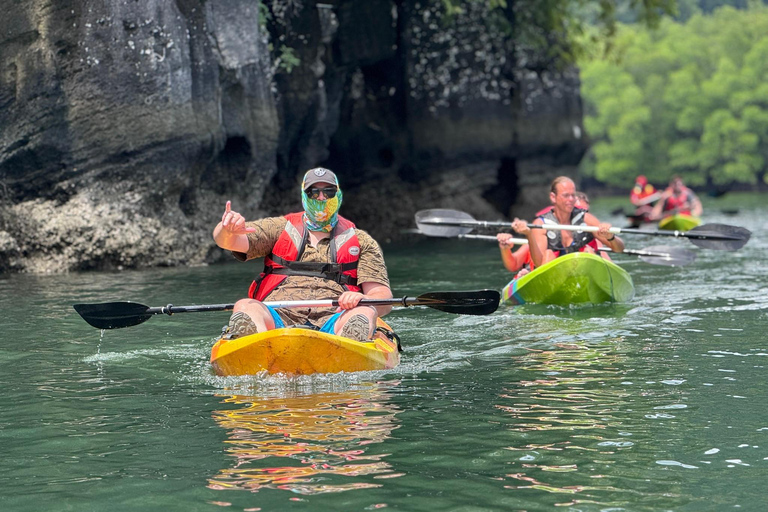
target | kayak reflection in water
x=315, y=254
x=308, y=444
x=546, y=245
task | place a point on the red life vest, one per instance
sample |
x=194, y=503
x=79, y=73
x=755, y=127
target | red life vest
x=285, y=256
x=638, y=193
x=672, y=202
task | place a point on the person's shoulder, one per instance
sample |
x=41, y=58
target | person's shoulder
x=363, y=235
x=365, y=239
x=269, y=226
x=281, y=220
x=590, y=219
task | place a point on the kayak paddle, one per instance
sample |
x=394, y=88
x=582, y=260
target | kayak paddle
x=447, y=223
x=114, y=315
x=655, y=255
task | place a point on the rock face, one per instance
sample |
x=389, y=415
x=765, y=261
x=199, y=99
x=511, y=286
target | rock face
x=125, y=126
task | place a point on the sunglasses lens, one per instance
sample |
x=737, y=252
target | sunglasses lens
x=314, y=193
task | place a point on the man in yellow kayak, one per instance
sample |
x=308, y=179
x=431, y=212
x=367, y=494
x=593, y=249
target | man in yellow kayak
x=308, y=255
x=677, y=198
x=547, y=244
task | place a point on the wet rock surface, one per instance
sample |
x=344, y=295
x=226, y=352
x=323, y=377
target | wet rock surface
x=124, y=127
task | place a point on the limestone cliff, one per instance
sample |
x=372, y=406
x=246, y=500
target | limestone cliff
x=125, y=126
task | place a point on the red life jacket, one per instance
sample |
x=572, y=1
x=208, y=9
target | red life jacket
x=673, y=201
x=639, y=192
x=285, y=256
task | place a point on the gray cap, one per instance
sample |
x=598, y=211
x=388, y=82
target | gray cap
x=319, y=175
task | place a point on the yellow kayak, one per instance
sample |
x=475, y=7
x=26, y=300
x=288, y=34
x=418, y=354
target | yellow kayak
x=679, y=222
x=300, y=351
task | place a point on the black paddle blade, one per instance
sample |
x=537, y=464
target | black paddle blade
x=113, y=315
x=720, y=237
x=480, y=302
x=428, y=222
x=667, y=255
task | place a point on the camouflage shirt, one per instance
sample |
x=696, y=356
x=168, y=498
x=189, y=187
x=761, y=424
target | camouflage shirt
x=370, y=268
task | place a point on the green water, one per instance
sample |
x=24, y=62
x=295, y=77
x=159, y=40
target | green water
x=657, y=404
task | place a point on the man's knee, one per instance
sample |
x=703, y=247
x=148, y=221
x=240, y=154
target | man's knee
x=249, y=317
x=253, y=308
x=359, y=323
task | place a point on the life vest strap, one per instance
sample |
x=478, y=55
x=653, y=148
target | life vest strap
x=337, y=277
x=330, y=271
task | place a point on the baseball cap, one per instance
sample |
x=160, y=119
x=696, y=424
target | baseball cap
x=318, y=175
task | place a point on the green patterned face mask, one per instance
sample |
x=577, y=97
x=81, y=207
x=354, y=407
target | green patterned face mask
x=321, y=215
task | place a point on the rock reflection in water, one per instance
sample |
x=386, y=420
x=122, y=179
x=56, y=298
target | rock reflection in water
x=307, y=444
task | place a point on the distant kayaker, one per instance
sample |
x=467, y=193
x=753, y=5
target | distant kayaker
x=546, y=245
x=308, y=255
x=677, y=199
x=642, y=196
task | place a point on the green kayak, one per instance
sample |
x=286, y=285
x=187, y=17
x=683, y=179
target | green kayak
x=575, y=278
x=679, y=222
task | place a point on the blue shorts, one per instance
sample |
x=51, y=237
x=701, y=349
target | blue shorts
x=328, y=326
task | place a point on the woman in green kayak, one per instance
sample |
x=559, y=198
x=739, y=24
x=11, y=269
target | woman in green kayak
x=547, y=244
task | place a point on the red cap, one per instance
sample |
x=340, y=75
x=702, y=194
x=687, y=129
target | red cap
x=641, y=180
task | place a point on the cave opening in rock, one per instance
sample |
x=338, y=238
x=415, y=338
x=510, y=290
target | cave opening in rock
x=230, y=168
x=504, y=194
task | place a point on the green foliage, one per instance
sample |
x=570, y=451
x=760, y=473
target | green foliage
x=287, y=59
x=558, y=29
x=264, y=15
x=688, y=99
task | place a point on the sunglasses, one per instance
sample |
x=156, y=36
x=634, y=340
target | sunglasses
x=314, y=192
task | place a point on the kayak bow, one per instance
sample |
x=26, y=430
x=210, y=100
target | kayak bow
x=301, y=351
x=679, y=222
x=575, y=278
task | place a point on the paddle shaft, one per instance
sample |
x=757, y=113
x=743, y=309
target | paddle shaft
x=516, y=241
x=523, y=241
x=170, y=309
x=114, y=315
x=701, y=234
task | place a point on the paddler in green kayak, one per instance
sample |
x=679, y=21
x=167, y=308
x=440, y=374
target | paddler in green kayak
x=308, y=255
x=520, y=260
x=547, y=244
x=677, y=199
